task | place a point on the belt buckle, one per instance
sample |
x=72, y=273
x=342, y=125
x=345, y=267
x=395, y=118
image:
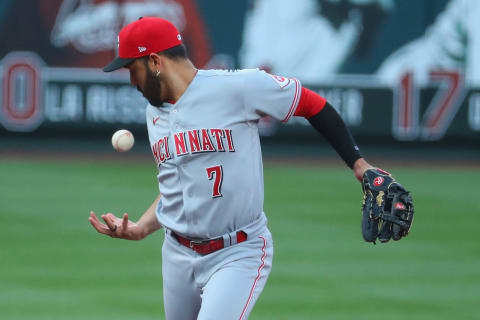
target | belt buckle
x=193, y=243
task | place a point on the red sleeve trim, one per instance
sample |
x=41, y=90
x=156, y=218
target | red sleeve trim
x=295, y=101
x=310, y=104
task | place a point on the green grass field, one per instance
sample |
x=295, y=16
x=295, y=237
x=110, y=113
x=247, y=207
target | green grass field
x=53, y=265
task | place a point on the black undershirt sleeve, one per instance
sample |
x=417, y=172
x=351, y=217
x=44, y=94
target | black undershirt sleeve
x=329, y=123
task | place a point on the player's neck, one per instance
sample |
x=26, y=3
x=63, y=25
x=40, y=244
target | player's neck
x=180, y=75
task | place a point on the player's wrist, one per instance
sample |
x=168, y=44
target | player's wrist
x=146, y=227
x=140, y=231
x=359, y=168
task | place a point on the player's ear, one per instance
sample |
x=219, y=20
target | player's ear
x=155, y=62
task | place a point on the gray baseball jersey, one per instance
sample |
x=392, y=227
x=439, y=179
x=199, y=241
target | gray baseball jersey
x=207, y=149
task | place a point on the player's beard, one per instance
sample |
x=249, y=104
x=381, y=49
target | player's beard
x=153, y=89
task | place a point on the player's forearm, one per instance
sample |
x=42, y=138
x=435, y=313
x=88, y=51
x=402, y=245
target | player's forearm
x=333, y=128
x=329, y=123
x=148, y=221
x=323, y=117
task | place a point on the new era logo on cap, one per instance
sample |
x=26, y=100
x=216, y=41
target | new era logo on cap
x=141, y=49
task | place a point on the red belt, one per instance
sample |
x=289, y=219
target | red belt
x=207, y=246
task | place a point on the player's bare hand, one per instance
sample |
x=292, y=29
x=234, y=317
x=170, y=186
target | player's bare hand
x=117, y=227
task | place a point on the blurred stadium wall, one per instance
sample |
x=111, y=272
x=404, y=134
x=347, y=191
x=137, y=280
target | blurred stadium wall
x=402, y=72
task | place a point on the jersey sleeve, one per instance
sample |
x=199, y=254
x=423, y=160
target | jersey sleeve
x=272, y=95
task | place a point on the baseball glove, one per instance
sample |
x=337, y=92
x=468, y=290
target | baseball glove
x=387, y=209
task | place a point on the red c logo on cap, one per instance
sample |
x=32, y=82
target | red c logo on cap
x=378, y=181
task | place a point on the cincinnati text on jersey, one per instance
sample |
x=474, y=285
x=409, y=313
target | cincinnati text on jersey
x=192, y=142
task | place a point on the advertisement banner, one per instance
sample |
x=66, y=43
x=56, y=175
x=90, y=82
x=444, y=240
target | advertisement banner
x=394, y=70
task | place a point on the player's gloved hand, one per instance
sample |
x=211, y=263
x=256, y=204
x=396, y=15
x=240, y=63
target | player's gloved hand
x=116, y=227
x=387, y=210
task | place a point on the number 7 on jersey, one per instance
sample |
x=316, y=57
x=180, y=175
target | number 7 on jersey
x=217, y=173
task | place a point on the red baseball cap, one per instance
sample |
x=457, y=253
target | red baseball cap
x=142, y=37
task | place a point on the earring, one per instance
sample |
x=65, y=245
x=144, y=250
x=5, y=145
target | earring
x=158, y=73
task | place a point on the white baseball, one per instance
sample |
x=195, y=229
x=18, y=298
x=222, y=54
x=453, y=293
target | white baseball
x=122, y=140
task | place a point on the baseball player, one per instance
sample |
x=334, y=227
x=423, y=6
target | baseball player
x=202, y=126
